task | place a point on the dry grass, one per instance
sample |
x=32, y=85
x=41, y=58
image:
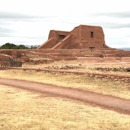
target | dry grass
x=87, y=67
x=97, y=85
x=22, y=110
x=83, y=62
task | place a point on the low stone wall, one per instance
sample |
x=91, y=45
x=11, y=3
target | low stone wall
x=40, y=61
x=115, y=77
x=71, y=54
x=65, y=67
x=126, y=59
x=125, y=69
x=111, y=76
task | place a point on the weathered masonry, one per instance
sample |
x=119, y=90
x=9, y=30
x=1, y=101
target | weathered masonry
x=7, y=61
x=81, y=37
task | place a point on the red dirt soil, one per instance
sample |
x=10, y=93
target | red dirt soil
x=105, y=101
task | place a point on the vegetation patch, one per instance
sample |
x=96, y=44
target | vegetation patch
x=23, y=110
x=104, y=86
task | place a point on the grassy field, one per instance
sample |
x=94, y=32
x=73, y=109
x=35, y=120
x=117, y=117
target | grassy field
x=23, y=110
x=103, y=86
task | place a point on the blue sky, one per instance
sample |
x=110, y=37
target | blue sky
x=28, y=22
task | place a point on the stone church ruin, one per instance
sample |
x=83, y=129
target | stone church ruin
x=83, y=42
x=81, y=37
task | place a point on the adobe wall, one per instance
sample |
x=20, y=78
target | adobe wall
x=55, y=34
x=64, y=43
x=91, y=36
x=53, y=39
x=74, y=40
x=81, y=37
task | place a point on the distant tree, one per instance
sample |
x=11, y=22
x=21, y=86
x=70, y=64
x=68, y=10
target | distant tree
x=13, y=46
x=22, y=47
x=33, y=46
x=8, y=46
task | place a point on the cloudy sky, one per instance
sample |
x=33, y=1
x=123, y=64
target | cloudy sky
x=28, y=22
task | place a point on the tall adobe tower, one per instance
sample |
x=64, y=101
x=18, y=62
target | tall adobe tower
x=81, y=37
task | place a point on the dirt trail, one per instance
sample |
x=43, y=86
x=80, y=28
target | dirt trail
x=104, y=101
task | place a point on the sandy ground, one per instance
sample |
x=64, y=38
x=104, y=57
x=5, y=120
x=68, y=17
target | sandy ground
x=95, y=99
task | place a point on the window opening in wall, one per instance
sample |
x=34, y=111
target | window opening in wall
x=91, y=34
x=91, y=48
x=61, y=37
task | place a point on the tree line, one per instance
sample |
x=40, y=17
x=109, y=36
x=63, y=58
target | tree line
x=13, y=46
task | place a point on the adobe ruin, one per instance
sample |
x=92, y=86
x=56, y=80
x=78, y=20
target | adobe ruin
x=83, y=42
x=81, y=37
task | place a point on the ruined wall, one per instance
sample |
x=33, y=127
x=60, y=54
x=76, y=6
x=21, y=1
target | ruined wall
x=87, y=36
x=91, y=36
x=82, y=36
x=75, y=36
x=63, y=43
x=53, y=38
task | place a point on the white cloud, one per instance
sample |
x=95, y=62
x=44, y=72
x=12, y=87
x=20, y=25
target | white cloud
x=29, y=21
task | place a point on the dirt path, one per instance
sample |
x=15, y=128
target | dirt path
x=104, y=101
